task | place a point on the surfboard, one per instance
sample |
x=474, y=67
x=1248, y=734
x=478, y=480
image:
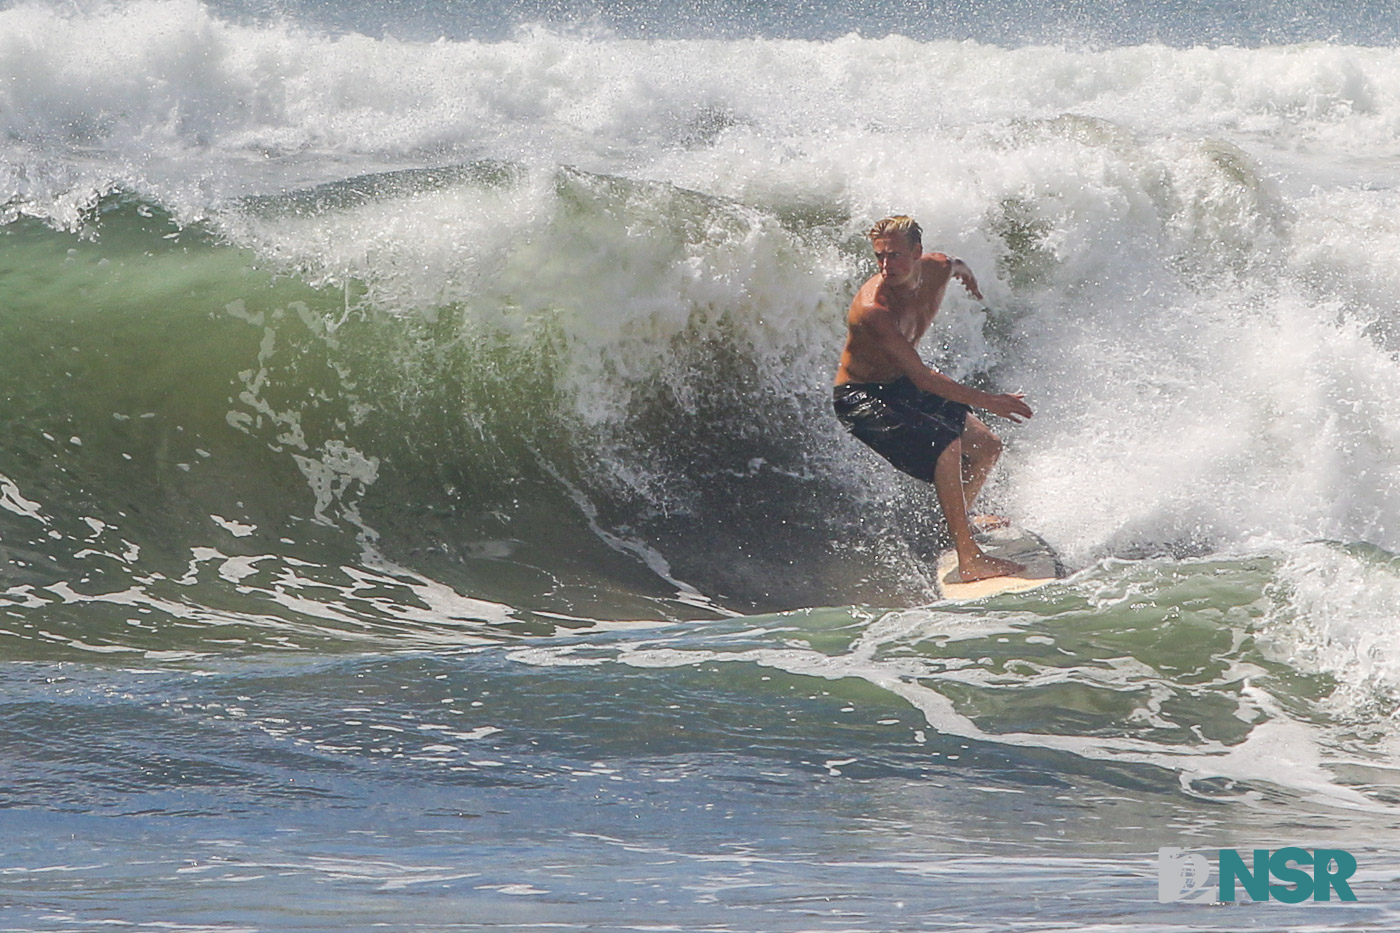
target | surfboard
x=1024, y=547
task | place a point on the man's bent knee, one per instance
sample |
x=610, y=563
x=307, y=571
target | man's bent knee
x=979, y=443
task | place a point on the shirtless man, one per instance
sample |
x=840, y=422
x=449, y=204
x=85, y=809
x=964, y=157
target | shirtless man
x=913, y=416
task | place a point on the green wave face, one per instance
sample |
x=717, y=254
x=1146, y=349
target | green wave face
x=171, y=393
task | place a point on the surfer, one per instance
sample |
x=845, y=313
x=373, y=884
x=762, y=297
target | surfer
x=915, y=417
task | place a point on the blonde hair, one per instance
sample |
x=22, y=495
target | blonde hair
x=899, y=223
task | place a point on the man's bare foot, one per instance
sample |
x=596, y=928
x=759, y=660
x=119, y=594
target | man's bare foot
x=983, y=567
x=987, y=522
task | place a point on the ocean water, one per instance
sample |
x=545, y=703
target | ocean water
x=420, y=507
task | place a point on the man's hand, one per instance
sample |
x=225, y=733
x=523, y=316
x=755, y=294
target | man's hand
x=1009, y=406
x=963, y=274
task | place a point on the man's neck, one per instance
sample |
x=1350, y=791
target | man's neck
x=909, y=287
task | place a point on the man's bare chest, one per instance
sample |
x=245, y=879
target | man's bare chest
x=912, y=322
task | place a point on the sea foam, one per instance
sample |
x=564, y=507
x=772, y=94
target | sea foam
x=1183, y=250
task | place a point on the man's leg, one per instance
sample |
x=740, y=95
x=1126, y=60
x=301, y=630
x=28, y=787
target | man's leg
x=948, y=484
x=980, y=451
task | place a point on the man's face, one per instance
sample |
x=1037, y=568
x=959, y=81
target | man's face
x=896, y=257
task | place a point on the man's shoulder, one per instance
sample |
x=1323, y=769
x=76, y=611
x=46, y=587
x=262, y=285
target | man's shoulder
x=872, y=298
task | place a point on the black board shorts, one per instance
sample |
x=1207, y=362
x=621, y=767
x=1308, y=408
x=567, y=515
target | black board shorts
x=899, y=421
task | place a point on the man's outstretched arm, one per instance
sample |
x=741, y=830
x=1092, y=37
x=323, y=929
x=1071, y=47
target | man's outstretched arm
x=876, y=326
